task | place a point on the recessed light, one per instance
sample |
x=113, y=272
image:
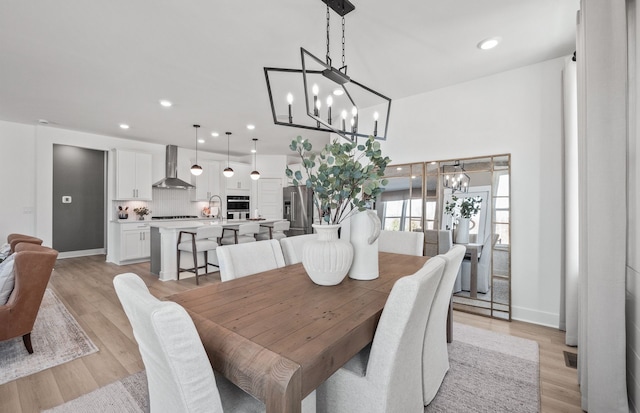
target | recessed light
x=413, y=177
x=489, y=43
x=398, y=169
x=215, y=134
x=338, y=92
x=200, y=140
x=124, y=126
x=166, y=103
x=253, y=151
x=251, y=127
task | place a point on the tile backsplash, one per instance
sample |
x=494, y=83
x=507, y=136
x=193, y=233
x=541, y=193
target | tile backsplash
x=166, y=202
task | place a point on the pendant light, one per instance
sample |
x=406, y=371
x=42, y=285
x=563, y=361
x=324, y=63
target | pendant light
x=228, y=172
x=196, y=169
x=255, y=175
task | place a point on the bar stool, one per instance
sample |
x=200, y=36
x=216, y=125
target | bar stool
x=244, y=233
x=204, y=239
x=276, y=231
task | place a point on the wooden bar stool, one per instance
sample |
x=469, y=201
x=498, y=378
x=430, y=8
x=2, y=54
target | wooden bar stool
x=204, y=239
x=244, y=233
x=276, y=231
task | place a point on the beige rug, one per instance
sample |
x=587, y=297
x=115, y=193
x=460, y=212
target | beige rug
x=56, y=338
x=489, y=372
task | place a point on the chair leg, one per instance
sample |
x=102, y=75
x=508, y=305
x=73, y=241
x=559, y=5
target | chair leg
x=27, y=342
x=178, y=272
x=195, y=263
x=206, y=262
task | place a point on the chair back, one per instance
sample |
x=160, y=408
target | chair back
x=15, y=239
x=178, y=370
x=248, y=229
x=281, y=226
x=435, y=357
x=445, y=241
x=240, y=260
x=209, y=231
x=401, y=242
x=393, y=368
x=292, y=247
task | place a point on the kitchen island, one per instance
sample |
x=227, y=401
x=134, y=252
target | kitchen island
x=164, y=239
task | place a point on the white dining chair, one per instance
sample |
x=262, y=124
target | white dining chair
x=179, y=374
x=292, y=247
x=387, y=375
x=484, y=268
x=435, y=357
x=201, y=241
x=251, y=258
x=401, y=242
x=243, y=234
x=275, y=231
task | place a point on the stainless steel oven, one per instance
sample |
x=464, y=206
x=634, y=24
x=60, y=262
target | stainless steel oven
x=238, y=207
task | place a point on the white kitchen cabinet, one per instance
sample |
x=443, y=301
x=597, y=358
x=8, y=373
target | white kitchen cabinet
x=241, y=179
x=133, y=175
x=134, y=242
x=208, y=183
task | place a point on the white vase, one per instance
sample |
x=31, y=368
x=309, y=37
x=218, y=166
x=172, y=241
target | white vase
x=365, y=229
x=327, y=259
x=462, y=231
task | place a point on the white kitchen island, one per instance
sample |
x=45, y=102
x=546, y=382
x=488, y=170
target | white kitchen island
x=164, y=239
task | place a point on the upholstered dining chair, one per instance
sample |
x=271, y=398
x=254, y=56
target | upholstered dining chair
x=275, y=231
x=251, y=258
x=179, y=373
x=15, y=239
x=203, y=240
x=243, y=234
x=32, y=267
x=292, y=247
x=401, y=242
x=484, y=267
x=387, y=375
x=435, y=357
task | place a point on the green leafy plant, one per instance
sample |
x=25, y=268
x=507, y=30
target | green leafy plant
x=463, y=207
x=344, y=177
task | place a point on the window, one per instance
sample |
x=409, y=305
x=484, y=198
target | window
x=402, y=215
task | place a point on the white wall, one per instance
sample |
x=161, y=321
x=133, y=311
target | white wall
x=516, y=112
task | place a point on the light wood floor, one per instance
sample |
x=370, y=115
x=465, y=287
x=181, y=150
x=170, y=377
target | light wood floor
x=85, y=286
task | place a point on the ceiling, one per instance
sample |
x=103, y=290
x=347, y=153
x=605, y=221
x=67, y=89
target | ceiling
x=90, y=66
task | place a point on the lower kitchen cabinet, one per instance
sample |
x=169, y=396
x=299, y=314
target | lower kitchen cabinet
x=133, y=242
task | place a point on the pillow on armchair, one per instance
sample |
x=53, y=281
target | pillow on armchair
x=7, y=279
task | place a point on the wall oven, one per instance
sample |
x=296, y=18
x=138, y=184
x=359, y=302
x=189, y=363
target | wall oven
x=238, y=207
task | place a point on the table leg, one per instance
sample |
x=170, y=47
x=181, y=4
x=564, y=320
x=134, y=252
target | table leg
x=474, y=273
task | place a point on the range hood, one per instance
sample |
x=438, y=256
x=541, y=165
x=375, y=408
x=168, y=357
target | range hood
x=171, y=181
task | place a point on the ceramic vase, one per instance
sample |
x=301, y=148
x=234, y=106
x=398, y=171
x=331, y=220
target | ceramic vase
x=365, y=230
x=462, y=231
x=327, y=259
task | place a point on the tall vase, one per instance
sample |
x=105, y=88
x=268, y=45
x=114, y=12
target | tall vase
x=462, y=231
x=327, y=259
x=365, y=229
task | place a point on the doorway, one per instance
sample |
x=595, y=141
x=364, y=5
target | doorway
x=79, y=194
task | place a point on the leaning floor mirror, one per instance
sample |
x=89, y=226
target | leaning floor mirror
x=459, y=201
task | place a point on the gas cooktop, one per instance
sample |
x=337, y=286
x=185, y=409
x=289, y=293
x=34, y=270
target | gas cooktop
x=175, y=217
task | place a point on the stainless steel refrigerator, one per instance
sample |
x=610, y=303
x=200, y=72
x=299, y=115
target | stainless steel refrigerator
x=298, y=209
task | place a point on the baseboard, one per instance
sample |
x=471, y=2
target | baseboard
x=535, y=316
x=83, y=253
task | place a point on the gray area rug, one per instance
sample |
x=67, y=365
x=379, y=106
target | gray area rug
x=57, y=338
x=489, y=372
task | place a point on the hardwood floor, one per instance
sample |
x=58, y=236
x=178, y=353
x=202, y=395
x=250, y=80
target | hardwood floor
x=85, y=286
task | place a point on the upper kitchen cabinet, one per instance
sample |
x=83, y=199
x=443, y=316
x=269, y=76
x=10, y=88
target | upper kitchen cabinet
x=208, y=183
x=241, y=179
x=133, y=175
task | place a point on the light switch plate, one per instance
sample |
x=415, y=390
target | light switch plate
x=66, y=199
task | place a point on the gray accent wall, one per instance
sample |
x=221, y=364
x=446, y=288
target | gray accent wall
x=78, y=173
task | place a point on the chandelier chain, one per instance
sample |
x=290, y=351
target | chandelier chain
x=328, y=27
x=343, y=41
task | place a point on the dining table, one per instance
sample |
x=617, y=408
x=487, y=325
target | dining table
x=278, y=336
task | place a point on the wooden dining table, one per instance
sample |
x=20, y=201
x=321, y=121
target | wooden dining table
x=278, y=336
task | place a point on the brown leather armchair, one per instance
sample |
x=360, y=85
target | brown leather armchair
x=32, y=268
x=15, y=239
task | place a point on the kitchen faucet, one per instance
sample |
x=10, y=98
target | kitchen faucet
x=218, y=216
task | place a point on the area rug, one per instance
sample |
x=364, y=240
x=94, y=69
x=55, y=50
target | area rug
x=56, y=339
x=489, y=372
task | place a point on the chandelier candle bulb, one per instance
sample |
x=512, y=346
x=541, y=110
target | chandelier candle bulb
x=344, y=120
x=315, y=91
x=329, y=103
x=375, y=123
x=290, y=101
x=354, y=112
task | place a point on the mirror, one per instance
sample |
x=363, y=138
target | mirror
x=416, y=199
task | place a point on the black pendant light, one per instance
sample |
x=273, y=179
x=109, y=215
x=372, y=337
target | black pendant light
x=255, y=175
x=228, y=172
x=196, y=169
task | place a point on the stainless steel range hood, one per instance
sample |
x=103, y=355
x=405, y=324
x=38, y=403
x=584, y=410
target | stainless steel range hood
x=171, y=181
